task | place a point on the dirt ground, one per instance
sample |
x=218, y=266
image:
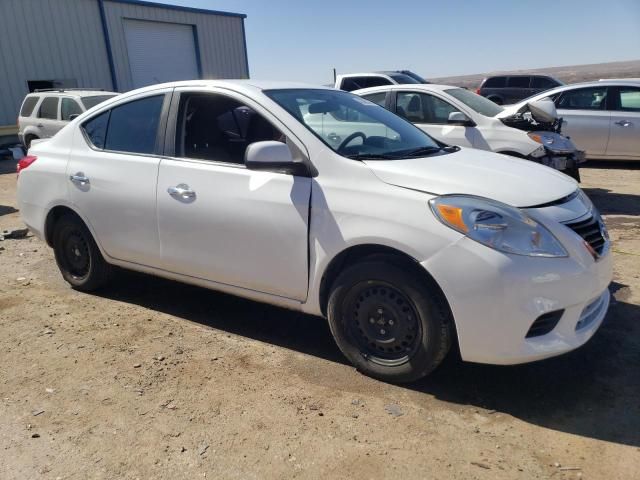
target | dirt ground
x=154, y=379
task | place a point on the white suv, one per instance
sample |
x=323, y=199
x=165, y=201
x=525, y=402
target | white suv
x=320, y=201
x=45, y=112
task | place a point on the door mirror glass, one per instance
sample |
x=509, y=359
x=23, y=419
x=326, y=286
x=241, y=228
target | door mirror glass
x=273, y=156
x=459, y=118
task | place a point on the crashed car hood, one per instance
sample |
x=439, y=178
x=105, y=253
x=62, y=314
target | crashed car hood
x=520, y=183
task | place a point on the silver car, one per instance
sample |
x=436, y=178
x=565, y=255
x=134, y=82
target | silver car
x=44, y=112
x=602, y=118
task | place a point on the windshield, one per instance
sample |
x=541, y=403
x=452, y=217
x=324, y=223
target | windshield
x=92, y=101
x=475, y=102
x=352, y=126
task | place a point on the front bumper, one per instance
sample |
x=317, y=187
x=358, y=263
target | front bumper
x=561, y=161
x=495, y=298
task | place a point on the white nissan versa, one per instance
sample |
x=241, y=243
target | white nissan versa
x=403, y=245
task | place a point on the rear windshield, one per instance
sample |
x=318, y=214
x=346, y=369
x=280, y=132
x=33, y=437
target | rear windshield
x=92, y=101
x=475, y=102
x=28, y=106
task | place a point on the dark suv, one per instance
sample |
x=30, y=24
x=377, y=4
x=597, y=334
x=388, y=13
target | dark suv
x=505, y=89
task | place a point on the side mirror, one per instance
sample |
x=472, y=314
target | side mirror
x=272, y=156
x=459, y=118
x=74, y=116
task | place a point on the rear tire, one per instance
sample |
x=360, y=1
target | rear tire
x=388, y=321
x=77, y=255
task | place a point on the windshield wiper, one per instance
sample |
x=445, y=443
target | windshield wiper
x=371, y=156
x=422, y=151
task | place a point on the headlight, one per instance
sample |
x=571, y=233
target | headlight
x=543, y=138
x=496, y=225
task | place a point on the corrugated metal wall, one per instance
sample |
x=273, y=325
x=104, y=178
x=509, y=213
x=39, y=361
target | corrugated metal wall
x=63, y=39
x=46, y=40
x=220, y=39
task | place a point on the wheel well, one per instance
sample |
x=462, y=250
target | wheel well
x=358, y=253
x=52, y=218
x=512, y=154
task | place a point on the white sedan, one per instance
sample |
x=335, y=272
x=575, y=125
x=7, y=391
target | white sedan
x=602, y=118
x=405, y=246
x=456, y=116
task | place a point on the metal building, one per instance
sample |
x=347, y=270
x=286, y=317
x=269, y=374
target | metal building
x=117, y=45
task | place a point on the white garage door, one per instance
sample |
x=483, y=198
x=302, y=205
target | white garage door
x=160, y=52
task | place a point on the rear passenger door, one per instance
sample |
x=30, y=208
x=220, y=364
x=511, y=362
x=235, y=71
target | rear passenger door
x=517, y=89
x=112, y=173
x=218, y=220
x=586, y=119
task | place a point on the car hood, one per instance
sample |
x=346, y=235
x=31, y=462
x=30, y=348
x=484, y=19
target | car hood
x=516, y=182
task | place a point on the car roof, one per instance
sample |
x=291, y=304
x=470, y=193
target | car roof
x=427, y=87
x=236, y=85
x=73, y=93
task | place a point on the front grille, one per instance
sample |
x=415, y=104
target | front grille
x=591, y=230
x=544, y=324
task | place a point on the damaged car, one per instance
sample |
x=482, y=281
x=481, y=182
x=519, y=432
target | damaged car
x=457, y=116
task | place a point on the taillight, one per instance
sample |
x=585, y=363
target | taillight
x=478, y=91
x=24, y=162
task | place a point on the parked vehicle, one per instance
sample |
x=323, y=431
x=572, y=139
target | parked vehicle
x=456, y=116
x=506, y=89
x=602, y=118
x=356, y=81
x=320, y=201
x=44, y=112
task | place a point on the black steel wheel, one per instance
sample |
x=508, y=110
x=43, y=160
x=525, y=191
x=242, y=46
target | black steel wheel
x=388, y=320
x=77, y=255
x=385, y=325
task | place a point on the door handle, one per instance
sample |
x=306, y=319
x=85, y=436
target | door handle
x=181, y=191
x=79, y=179
x=39, y=125
x=624, y=123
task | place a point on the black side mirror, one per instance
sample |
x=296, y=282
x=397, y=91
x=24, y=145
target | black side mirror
x=73, y=116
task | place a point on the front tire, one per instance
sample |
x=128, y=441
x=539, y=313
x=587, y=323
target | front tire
x=77, y=255
x=389, y=322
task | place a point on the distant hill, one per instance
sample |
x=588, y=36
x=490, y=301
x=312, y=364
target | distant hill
x=569, y=74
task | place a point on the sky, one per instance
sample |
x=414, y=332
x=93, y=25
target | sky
x=304, y=40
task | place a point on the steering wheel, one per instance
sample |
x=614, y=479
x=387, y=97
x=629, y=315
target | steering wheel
x=350, y=138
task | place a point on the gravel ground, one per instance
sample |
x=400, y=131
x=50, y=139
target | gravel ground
x=154, y=379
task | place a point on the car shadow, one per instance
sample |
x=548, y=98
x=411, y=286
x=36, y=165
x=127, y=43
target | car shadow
x=610, y=203
x=7, y=165
x=593, y=391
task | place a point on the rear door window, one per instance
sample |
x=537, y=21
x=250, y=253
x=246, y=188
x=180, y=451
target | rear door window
x=28, y=106
x=518, y=82
x=96, y=129
x=495, y=82
x=49, y=108
x=379, y=98
x=69, y=107
x=543, y=82
x=133, y=126
x=593, y=98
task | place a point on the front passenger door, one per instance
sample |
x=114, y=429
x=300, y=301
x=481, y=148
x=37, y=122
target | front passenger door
x=585, y=118
x=218, y=220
